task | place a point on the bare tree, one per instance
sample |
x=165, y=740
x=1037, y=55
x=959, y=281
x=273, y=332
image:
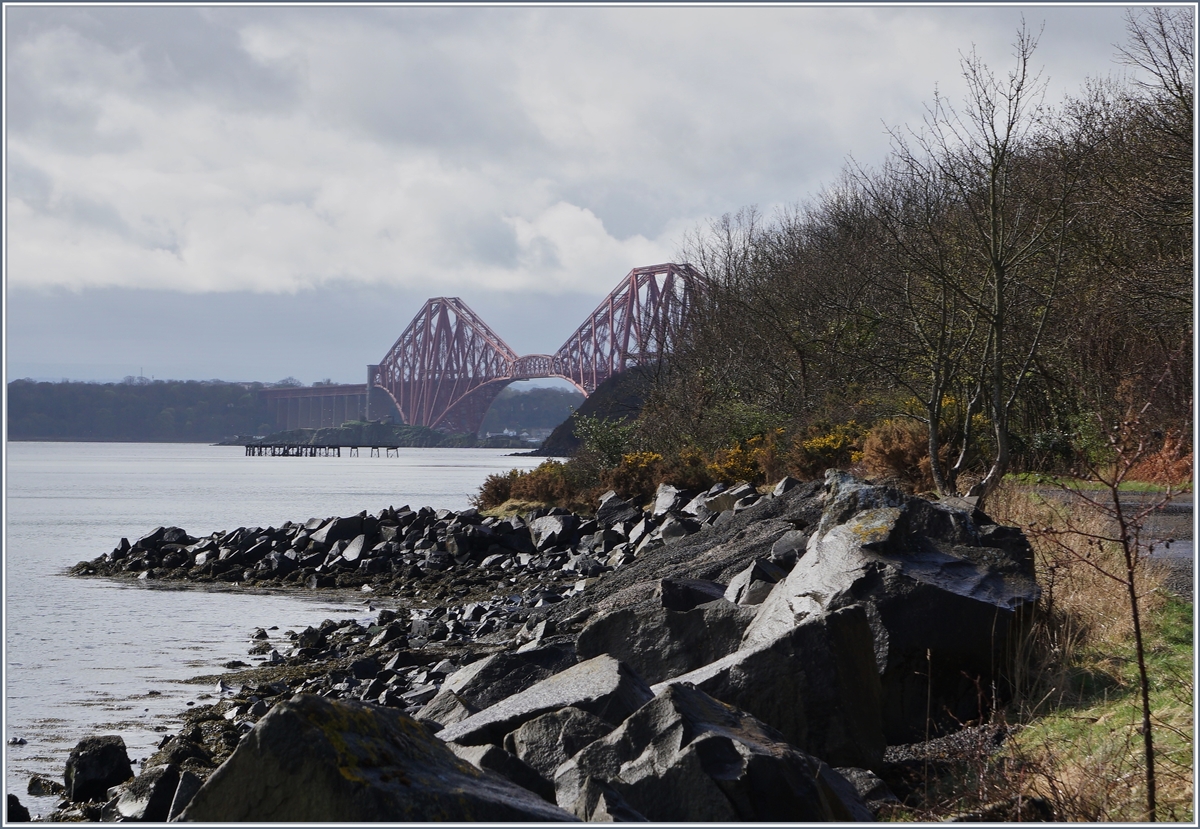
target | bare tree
x=976, y=208
x=1129, y=441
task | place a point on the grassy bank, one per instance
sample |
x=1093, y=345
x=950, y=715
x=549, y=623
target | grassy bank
x=1078, y=745
x=1085, y=755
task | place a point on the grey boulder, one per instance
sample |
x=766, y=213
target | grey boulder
x=729, y=497
x=754, y=584
x=94, y=766
x=317, y=760
x=614, y=510
x=668, y=499
x=445, y=708
x=552, y=530
x=487, y=681
x=15, y=812
x=548, y=741
x=601, y=686
x=659, y=643
x=816, y=684
x=598, y=802
x=147, y=797
x=509, y=766
x=945, y=608
x=685, y=757
x=189, y=784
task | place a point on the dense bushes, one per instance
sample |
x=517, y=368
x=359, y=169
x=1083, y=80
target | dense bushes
x=549, y=483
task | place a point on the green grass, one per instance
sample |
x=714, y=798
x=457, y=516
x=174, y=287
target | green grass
x=1088, y=753
x=1043, y=480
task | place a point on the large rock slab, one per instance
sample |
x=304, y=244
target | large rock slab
x=659, y=643
x=553, y=530
x=548, y=741
x=316, y=760
x=601, y=686
x=15, y=812
x=339, y=529
x=512, y=768
x=486, y=681
x=667, y=499
x=614, y=510
x=685, y=757
x=946, y=607
x=189, y=784
x=95, y=765
x=445, y=708
x=600, y=803
x=816, y=684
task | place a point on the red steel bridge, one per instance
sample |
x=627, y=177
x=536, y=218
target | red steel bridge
x=447, y=367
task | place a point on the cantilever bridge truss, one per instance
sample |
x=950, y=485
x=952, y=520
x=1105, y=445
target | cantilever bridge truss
x=448, y=365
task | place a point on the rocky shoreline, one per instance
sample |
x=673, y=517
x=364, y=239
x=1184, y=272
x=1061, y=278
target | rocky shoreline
x=793, y=642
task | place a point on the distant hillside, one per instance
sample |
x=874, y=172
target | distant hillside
x=213, y=411
x=620, y=396
x=136, y=410
x=537, y=408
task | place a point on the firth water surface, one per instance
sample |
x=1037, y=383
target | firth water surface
x=91, y=656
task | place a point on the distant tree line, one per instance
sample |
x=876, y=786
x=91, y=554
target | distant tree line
x=537, y=408
x=139, y=409
x=159, y=410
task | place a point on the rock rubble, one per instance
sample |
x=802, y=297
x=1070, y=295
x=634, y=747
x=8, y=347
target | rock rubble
x=721, y=655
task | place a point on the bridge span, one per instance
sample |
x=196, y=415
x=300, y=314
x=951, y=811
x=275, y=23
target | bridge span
x=447, y=367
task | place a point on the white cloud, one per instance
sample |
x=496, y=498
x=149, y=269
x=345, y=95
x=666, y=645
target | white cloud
x=546, y=149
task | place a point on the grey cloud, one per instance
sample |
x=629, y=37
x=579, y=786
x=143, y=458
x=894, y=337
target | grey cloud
x=701, y=122
x=28, y=183
x=489, y=241
x=70, y=126
x=542, y=255
x=425, y=100
x=184, y=52
x=715, y=173
x=35, y=188
x=436, y=91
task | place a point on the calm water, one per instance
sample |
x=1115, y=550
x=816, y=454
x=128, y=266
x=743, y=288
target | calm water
x=81, y=656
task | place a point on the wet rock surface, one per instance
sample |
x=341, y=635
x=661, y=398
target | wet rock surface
x=94, y=765
x=528, y=645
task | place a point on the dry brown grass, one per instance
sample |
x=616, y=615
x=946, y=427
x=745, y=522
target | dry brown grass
x=1078, y=752
x=1073, y=567
x=1081, y=748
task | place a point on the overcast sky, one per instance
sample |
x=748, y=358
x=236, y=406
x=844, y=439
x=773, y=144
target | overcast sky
x=252, y=193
